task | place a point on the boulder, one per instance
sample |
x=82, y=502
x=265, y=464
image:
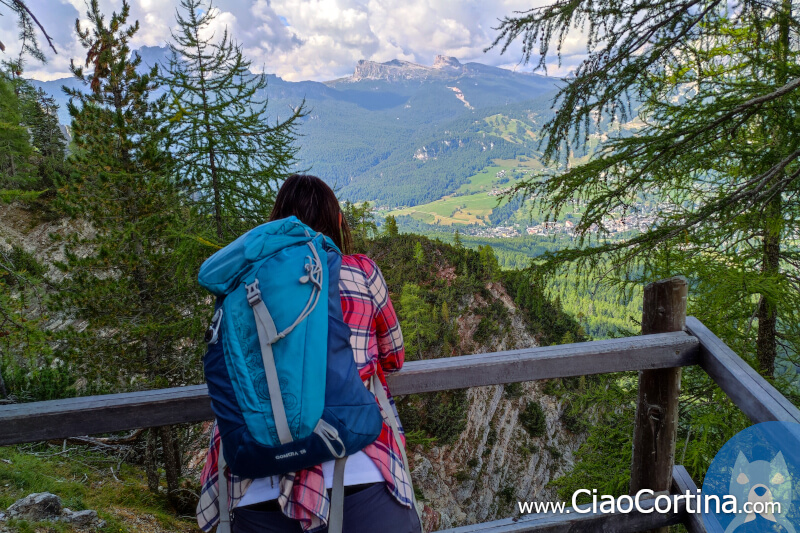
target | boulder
x=43, y=506
x=87, y=518
x=36, y=507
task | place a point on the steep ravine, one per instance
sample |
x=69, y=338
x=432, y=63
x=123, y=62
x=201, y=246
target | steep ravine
x=494, y=462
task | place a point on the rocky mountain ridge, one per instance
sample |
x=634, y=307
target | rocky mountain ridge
x=444, y=68
x=396, y=69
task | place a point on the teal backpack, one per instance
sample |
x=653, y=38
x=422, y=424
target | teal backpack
x=280, y=371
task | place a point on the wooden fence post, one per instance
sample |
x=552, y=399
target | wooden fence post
x=664, y=311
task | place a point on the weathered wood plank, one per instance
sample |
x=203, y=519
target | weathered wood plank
x=570, y=521
x=116, y=412
x=656, y=422
x=56, y=419
x=681, y=483
x=759, y=400
x=566, y=360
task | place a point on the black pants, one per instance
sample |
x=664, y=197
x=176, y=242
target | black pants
x=370, y=510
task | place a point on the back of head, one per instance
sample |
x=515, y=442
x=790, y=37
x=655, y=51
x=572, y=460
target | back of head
x=314, y=203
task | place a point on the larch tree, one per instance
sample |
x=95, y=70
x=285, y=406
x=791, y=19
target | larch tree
x=716, y=146
x=697, y=102
x=27, y=24
x=127, y=282
x=229, y=159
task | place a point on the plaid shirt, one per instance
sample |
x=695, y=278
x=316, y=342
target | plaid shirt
x=378, y=348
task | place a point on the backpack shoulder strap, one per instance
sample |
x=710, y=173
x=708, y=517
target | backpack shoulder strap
x=336, y=514
x=383, y=400
x=222, y=495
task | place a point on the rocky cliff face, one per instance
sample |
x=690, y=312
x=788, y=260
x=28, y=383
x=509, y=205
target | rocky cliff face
x=495, y=462
x=446, y=63
x=397, y=70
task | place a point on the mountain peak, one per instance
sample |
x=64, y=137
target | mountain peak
x=446, y=62
x=397, y=69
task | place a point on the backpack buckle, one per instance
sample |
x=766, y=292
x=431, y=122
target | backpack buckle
x=212, y=333
x=253, y=293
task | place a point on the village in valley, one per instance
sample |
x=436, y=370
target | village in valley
x=472, y=209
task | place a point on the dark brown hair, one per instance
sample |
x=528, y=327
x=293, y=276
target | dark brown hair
x=314, y=203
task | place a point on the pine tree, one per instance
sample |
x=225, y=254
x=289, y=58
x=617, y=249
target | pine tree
x=489, y=263
x=229, y=160
x=127, y=279
x=419, y=254
x=390, y=226
x=40, y=118
x=416, y=320
x=457, y=239
x=16, y=171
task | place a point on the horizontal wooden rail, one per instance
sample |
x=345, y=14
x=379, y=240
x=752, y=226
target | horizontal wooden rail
x=29, y=422
x=570, y=520
x=759, y=400
x=645, y=352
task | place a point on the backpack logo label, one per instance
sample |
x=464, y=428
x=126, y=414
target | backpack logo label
x=290, y=454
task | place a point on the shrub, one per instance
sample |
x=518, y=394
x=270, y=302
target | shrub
x=486, y=330
x=533, y=419
x=512, y=391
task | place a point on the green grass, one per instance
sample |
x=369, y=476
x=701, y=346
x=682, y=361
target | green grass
x=471, y=203
x=510, y=129
x=468, y=209
x=83, y=480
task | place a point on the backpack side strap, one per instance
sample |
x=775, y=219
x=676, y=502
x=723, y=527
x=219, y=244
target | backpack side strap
x=383, y=400
x=267, y=333
x=222, y=495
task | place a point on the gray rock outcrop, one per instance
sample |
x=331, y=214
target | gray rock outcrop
x=44, y=506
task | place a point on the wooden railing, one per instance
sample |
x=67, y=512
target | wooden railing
x=674, y=342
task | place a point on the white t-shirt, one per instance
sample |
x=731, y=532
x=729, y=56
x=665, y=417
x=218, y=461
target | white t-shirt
x=358, y=469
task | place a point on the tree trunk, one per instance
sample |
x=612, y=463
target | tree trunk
x=766, y=345
x=150, y=466
x=3, y=391
x=172, y=463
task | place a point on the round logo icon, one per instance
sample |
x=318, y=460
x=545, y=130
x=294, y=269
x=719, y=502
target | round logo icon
x=753, y=483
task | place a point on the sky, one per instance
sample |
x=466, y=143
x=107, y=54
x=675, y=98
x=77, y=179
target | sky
x=306, y=39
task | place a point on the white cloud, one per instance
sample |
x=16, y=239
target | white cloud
x=311, y=39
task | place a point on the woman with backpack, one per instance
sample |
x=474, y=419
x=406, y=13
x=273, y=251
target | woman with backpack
x=378, y=495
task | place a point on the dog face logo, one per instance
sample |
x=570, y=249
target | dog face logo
x=767, y=489
x=753, y=483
